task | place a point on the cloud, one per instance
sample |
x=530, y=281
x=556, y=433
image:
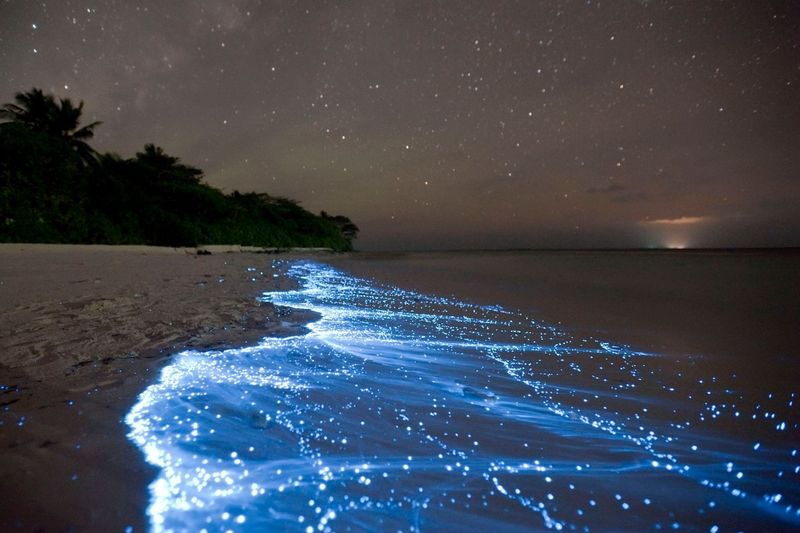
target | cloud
x=679, y=221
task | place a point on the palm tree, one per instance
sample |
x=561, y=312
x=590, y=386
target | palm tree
x=33, y=109
x=66, y=123
x=166, y=167
x=156, y=158
x=41, y=112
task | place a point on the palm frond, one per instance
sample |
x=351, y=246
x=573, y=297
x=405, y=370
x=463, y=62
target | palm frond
x=87, y=131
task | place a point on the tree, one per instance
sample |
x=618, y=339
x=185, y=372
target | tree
x=166, y=167
x=60, y=118
x=345, y=225
x=48, y=193
x=33, y=109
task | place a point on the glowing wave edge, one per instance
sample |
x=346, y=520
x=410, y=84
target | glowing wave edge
x=401, y=411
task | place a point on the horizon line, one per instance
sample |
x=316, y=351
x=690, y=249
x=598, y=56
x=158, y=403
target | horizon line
x=599, y=249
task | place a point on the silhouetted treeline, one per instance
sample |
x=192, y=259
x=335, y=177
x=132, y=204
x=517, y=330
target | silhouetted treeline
x=55, y=188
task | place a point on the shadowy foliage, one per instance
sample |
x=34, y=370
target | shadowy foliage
x=345, y=225
x=55, y=188
x=59, y=118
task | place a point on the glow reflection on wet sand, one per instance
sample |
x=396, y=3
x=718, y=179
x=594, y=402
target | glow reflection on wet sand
x=399, y=411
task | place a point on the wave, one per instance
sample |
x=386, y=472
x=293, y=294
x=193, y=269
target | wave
x=402, y=411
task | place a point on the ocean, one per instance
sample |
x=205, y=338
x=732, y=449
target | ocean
x=493, y=392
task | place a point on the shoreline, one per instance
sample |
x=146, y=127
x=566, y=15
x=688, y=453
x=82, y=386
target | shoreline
x=86, y=329
x=375, y=344
x=6, y=247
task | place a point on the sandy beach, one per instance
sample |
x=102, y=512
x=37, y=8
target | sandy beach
x=84, y=329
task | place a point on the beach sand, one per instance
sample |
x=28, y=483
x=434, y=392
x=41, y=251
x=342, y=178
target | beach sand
x=84, y=329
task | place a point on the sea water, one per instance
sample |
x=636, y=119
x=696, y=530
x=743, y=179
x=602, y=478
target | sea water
x=399, y=411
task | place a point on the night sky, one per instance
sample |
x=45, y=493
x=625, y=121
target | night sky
x=453, y=124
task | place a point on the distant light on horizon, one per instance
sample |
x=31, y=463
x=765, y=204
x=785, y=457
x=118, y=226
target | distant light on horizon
x=677, y=245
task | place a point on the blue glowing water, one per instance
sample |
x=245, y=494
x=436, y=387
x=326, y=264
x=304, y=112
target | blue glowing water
x=400, y=411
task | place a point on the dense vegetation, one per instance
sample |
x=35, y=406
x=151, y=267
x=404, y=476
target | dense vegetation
x=55, y=188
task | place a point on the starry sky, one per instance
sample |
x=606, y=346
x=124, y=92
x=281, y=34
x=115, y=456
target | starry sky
x=451, y=124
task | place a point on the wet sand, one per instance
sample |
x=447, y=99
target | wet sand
x=84, y=329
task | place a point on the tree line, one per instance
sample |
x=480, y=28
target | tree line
x=54, y=187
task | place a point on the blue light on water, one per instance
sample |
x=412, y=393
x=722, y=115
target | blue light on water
x=400, y=411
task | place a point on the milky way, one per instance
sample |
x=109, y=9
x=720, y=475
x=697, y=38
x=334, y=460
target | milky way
x=451, y=124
